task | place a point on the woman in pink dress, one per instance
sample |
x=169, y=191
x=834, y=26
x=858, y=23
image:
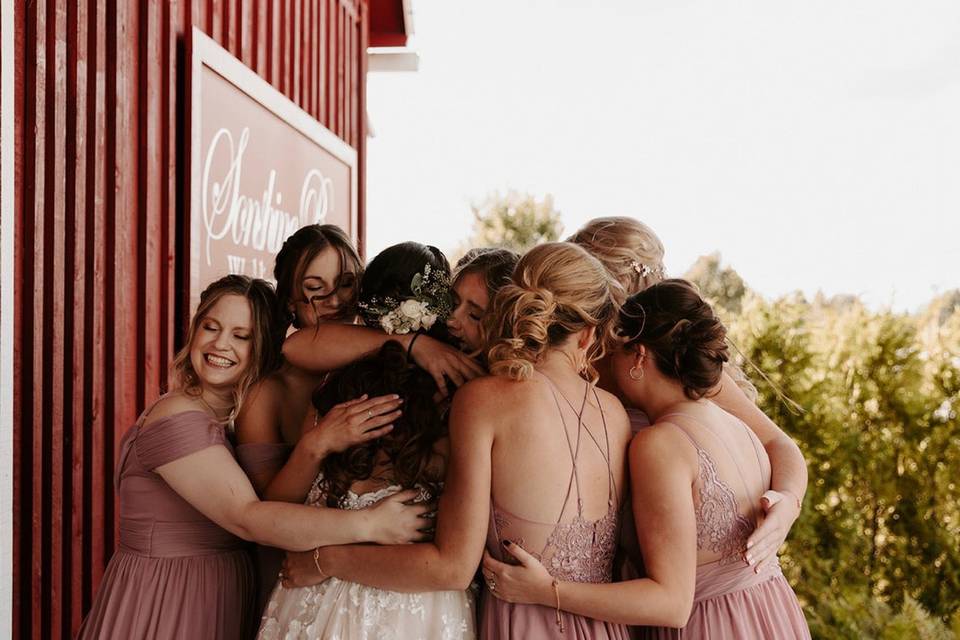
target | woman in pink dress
x=697, y=475
x=537, y=454
x=633, y=254
x=181, y=569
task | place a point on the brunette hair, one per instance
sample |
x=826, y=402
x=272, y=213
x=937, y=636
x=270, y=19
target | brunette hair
x=629, y=249
x=264, y=346
x=409, y=447
x=557, y=289
x=390, y=274
x=296, y=253
x=494, y=265
x=680, y=330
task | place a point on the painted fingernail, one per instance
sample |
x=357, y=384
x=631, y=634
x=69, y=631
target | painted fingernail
x=506, y=543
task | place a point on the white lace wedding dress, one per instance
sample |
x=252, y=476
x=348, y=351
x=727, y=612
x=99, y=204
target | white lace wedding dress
x=341, y=610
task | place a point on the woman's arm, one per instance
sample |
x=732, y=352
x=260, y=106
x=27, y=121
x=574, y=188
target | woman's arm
x=213, y=483
x=258, y=423
x=345, y=425
x=450, y=561
x=663, y=509
x=330, y=346
x=788, y=474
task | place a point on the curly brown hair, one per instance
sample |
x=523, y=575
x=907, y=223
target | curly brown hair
x=409, y=447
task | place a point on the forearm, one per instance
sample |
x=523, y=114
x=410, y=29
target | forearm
x=788, y=469
x=406, y=568
x=636, y=602
x=292, y=483
x=299, y=527
x=332, y=346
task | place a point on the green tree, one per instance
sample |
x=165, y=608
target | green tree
x=514, y=221
x=722, y=286
x=876, y=552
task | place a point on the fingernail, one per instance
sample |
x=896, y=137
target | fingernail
x=506, y=543
x=749, y=559
x=749, y=544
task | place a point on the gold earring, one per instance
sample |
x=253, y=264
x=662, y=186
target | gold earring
x=632, y=372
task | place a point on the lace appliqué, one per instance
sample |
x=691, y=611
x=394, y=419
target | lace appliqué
x=720, y=527
x=583, y=551
x=341, y=610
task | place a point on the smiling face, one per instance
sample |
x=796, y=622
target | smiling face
x=324, y=289
x=470, y=299
x=220, y=350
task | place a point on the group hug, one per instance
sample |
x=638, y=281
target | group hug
x=552, y=445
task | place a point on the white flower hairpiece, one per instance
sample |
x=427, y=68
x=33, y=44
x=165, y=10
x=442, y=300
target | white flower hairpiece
x=431, y=301
x=645, y=270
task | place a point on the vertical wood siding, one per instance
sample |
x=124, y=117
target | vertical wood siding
x=99, y=174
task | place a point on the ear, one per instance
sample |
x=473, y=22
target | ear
x=640, y=354
x=587, y=336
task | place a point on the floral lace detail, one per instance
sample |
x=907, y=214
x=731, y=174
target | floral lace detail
x=583, y=551
x=720, y=527
x=341, y=610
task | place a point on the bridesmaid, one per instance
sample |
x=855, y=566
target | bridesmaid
x=181, y=569
x=537, y=454
x=330, y=346
x=633, y=254
x=317, y=272
x=476, y=279
x=696, y=475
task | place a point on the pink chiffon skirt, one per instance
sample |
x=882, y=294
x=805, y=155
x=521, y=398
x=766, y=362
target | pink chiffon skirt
x=732, y=602
x=500, y=620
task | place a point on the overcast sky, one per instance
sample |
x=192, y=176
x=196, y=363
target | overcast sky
x=815, y=144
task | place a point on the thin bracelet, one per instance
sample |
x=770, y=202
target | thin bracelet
x=556, y=592
x=410, y=346
x=316, y=563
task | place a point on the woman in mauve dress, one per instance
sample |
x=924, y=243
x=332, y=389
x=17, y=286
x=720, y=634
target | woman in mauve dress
x=181, y=569
x=697, y=475
x=537, y=454
x=633, y=254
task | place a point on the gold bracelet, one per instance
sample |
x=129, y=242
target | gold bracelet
x=556, y=592
x=316, y=563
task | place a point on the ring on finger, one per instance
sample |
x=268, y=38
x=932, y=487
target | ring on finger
x=369, y=413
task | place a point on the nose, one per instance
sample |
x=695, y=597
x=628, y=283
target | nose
x=222, y=343
x=453, y=321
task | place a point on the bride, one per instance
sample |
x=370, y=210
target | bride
x=412, y=454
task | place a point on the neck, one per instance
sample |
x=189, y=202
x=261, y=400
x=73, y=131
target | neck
x=663, y=398
x=557, y=365
x=220, y=402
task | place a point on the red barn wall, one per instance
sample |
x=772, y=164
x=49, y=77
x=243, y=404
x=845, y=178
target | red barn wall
x=99, y=164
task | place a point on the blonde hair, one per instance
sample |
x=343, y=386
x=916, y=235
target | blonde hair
x=264, y=343
x=629, y=249
x=557, y=289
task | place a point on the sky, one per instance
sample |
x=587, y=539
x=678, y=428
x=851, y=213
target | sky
x=815, y=144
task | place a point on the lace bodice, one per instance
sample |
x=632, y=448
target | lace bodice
x=350, y=611
x=721, y=529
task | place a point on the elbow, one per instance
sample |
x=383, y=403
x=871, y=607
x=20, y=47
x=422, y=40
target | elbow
x=678, y=614
x=456, y=576
x=240, y=525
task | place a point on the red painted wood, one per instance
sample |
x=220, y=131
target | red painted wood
x=100, y=253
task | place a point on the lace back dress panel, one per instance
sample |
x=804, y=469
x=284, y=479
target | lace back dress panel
x=731, y=600
x=578, y=550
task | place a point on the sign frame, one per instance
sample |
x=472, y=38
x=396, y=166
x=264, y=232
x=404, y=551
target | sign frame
x=203, y=51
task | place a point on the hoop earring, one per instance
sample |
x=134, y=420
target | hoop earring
x=632, y=371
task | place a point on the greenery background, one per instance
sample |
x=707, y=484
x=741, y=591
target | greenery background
x=876, y=550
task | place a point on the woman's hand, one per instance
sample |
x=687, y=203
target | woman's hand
x=349, y=423
x=530, y=582
x=300, y=570
x=780, y=511
x=393, y=521
x=442, y=361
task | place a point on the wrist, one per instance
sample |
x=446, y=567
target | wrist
x=311, y=450
x=546, y=595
